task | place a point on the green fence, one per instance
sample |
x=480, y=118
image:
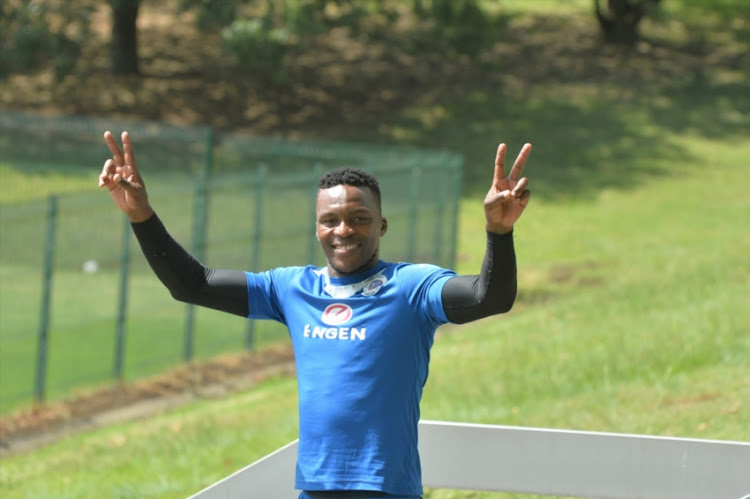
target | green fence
x=79, y=306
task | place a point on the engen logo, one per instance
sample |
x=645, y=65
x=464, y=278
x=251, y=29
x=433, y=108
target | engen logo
x=336, y=314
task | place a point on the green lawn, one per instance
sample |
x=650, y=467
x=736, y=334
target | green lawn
x=629, y=320
x=633, y=273
x=84, y=306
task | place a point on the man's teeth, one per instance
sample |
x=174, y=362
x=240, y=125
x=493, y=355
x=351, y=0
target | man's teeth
x=348, y=247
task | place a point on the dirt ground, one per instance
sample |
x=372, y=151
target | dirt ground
x=41, y=424
x=342, y=84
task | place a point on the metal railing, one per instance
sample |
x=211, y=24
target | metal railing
x=79, y=306
x=538, y=461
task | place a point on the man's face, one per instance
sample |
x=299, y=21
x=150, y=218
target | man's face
x=349, y=226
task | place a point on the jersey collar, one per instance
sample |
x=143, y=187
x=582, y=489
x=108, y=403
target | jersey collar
x=368, y=282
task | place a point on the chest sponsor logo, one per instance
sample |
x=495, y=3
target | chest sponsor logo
x=337, y=313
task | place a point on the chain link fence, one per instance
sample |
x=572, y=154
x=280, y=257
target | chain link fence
x=79, y=307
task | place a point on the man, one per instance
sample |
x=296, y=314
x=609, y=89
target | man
x=361, y=328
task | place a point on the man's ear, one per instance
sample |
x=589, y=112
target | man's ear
x=384, y=227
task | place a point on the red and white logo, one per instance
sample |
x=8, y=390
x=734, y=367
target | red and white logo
x=337, y=313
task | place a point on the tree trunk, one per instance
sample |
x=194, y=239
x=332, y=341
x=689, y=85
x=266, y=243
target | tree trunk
x=124, y=36
x=621, y=21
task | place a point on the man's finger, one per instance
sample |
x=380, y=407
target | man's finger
x=520, y=186
x=524, y=198
x=117, y=155
x=499, y=165
x=515, y=172
x=129, y=153
x=498, y=198
x=125, y=183
x=128, y=183
x=107, y=169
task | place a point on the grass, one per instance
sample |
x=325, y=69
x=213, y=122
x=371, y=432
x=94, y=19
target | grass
x=89, y=228
x=628, y=321
x=31, y=186
x=633, y=274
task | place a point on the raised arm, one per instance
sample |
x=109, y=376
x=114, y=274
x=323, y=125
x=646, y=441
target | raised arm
x=121, y=178
x=185, y=277
x=493, y=290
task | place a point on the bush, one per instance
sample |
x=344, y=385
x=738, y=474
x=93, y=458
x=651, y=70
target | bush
x=30, y=42
x=256, y=47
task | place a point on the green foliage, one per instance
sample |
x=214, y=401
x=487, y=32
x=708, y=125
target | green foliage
x=459, y=26
x=727, y=10
x=211, y=15
x=257, y=47
x=620, y=19
x=37, y=33
x=261, y=44
x=66, y=52
x=310, y=17
x=25, y=35
x=453, y=12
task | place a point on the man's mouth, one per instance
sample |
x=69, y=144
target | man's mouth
x=343, y=248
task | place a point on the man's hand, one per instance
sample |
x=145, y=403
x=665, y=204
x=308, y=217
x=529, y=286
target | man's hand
x=507, y=197
x=120, y=176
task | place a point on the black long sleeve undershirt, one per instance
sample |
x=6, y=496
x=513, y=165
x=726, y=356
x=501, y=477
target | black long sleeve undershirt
x=465, y=298
x=186, y=278
x=470, y=297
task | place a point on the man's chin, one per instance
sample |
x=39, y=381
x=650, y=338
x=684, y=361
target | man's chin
x=345, y=269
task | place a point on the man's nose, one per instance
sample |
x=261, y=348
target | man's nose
x=343, y=229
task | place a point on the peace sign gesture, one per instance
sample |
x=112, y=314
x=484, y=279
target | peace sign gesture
x=120, y=176
x=508, y=197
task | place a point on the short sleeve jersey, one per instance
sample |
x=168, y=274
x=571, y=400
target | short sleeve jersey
x=362, y=348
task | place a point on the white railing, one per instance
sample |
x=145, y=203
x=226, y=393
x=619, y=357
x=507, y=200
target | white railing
x=539, y=461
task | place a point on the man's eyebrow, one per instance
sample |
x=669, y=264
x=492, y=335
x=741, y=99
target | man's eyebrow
x=335, y=212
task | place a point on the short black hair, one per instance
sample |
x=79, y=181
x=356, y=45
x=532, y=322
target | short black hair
x=350, y=176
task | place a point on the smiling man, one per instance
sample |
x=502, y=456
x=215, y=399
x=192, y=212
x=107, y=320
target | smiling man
x=361, y=327
x=349, y=220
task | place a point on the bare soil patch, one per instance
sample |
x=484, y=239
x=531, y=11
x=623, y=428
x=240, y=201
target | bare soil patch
x=41, y=424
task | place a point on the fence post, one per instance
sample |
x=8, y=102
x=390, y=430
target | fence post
x=122, y=309
x=312, y=242
x=49, y=256
x=456, y=165
x=260, y=186
x=413, y=213
x=439, y=216
x=200, y=219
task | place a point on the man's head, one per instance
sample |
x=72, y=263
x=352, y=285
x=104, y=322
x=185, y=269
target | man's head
x=349, y=221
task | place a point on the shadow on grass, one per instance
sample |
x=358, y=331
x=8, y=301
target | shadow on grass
x=599, y=117
x=587, y=135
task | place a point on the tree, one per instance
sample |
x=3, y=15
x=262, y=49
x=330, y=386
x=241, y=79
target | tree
x=35, y=35
x=620, y=20
x=124, y=36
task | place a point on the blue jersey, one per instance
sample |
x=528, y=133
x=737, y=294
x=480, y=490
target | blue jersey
x=362, y=349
